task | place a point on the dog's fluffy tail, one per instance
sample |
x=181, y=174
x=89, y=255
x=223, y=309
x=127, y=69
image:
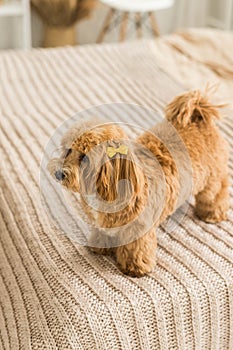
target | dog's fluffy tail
x=192, y=107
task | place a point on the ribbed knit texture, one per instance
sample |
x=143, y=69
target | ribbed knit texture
x=55, y=294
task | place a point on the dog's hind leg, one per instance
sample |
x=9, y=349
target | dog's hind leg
x=212, y=202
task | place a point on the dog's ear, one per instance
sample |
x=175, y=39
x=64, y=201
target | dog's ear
x=116, y=169
x=191, y=107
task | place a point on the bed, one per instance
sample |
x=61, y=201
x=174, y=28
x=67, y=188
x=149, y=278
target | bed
x=56, y=294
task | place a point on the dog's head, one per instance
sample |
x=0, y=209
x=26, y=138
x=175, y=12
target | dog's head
x=96, y=159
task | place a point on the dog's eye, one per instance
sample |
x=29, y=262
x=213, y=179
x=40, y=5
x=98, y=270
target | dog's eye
x=83, y=158
x=68, y=152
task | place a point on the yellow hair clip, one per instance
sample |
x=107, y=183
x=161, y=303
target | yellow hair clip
x=111, y=151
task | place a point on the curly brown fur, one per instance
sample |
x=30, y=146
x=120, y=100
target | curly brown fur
x=193, y=118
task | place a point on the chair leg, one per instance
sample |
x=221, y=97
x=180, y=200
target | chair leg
x=138, y=24
x=105, y=26
x=123, y=26
x=154, y=25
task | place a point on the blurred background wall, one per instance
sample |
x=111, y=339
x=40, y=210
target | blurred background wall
x=185, y=13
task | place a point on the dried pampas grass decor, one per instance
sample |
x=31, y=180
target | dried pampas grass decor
x=60, y=18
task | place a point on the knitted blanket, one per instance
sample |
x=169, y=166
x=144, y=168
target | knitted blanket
x=56, y=294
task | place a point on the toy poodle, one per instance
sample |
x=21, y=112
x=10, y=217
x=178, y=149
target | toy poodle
x=97, y=159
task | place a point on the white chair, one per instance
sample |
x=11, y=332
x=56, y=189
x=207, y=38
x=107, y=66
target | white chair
x=141, y=10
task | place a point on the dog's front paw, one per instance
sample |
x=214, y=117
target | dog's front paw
x=101, y=251
x=138, y=258
x=134, y=269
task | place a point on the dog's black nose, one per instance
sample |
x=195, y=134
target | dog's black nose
x=59, y=175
